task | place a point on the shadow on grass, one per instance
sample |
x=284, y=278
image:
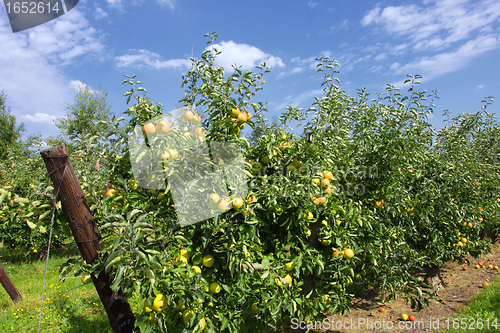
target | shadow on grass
x=29, y=257
x=76, y=319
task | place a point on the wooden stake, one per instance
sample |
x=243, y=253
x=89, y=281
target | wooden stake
x=9, y=286
x=86, y=234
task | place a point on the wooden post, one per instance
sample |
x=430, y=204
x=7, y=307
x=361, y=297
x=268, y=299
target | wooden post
x=86, y=234
x=9, y=286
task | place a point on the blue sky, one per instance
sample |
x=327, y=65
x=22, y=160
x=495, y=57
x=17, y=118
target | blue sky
x=453, y=44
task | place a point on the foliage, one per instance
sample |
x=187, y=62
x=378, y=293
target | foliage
x=9, y=132
x=88, y=114
x=24, y=175
x=262, y=127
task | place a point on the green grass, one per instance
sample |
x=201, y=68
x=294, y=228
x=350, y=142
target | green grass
x=79, y=310
x=484, y=307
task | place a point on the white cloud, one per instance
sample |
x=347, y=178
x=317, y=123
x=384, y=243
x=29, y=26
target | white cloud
x=99, y=13
x=147, y=59
x=281, y=75
x=114, y=3
x=243, y=55
x=120, y=6
x=395, y=66
x=76, y=85
x=297, y=100
x=32, y=65
x=447, y=62
x=343, y=25
x=312, y=4
x=168, y=3
x=375, y=69
x=370, y=17
x=64, y=39
x=39, y=118
x=296, y=70
x=303, y=62
x=480, y=86
x=450, y=32
x=438, y=25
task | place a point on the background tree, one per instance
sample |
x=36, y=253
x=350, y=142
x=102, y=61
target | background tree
x=84, y=115
x=9, y=132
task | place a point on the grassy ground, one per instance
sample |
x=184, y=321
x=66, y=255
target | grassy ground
x=78, y=310
x=482, y=315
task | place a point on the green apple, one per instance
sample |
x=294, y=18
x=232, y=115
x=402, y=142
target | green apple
x=214, y=288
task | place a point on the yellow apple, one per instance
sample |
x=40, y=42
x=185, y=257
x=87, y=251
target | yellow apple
x=196, y=118
x=242, y=117
x=214, y=197
x=182, y=261
x=234, y=112
x=201, y=324
x=188, y=115
x=187, y=314
x=348, y=253
x=208, y=260
x=149, y=128
x=237, y=203
x=163, y=127
x=223, y=206
x=185, y=252
x=214, y=288
x=159, y=302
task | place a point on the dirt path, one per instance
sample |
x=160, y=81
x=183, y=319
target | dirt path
x=460, y=286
